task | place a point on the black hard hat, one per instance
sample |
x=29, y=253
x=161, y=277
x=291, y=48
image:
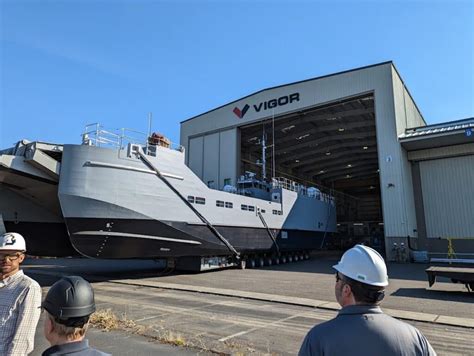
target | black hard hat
x=70, y=300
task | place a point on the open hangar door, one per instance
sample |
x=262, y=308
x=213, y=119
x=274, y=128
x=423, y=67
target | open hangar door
x=332, y=147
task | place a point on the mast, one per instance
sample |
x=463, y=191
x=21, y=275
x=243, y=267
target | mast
x=264, y=160
x=273, y=142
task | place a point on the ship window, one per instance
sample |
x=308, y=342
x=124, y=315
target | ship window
x=200, y=200
x=251, y=208
x=275, y=212
x=280, y=212
x=244, y=207
x=263, y=211
x=227, y=181
x=220, y=203
x=190, y=199
x=229, y=205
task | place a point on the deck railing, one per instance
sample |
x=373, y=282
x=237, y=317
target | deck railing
x=288, y=184
x=96, y=135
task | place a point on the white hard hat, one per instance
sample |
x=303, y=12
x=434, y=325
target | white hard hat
x=365, y=265
x=12, y=241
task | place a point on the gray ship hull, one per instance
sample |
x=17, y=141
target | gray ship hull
x=115, y=206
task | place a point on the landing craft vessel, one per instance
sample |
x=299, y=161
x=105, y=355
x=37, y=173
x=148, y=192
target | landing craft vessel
x=142, y=201
x=29, y=175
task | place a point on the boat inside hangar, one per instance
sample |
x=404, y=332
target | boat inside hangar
x=332, y=147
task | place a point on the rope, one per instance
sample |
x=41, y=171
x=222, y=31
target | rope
x=269, y=232
x=203, y=219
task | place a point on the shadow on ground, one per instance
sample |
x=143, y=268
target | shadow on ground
x=446, y=295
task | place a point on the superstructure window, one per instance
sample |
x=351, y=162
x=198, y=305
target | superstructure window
x=229, y=205
x=190, y=199
x=220, y=203
x=277, y=212
x=200, y=200
x=251, y=208
x=244, y=207
x=262, y=211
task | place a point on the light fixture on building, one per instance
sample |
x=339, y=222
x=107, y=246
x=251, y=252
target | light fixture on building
x=365, y=147
x=341, y=129
x=348, y=176
x=302, y=136
x=322, y=171
x=297, y=160
x=328, y=153
x=288, y=128
x=349, y=165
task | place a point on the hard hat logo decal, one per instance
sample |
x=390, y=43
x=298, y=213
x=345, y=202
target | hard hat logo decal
x=10, y=240
x=361, y=277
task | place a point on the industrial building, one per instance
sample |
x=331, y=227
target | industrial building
x=360, y=135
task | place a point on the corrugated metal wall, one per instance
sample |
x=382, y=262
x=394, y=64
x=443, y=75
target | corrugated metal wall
x=448, y=197
x=209, y=156
x=195, y=153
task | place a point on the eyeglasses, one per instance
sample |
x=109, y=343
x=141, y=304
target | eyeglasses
x=11, y=257
x=338, y=278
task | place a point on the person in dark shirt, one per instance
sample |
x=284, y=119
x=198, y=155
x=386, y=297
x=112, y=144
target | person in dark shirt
x=68, y=306
x=361, y=327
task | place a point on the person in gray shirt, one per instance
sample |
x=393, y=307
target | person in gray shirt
x=361, y=327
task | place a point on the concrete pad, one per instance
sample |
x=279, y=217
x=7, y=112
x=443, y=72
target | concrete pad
x=248, y=284
x=451, y=320
x=409, y=315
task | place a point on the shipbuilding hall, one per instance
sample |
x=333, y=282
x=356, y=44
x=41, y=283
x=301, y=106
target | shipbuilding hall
x=360, y=136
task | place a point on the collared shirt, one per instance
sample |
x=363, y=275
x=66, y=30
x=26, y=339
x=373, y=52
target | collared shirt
x=20, y=309
x=365, y=330
x=77, y=348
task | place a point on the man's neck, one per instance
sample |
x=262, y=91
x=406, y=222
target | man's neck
x=60, y=340
x=6, y=275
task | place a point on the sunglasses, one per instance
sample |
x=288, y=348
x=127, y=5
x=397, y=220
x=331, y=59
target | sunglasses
x=11, y=257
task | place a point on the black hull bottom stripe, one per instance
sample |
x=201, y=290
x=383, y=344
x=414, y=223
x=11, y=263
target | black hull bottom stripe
x=118, y=238
x=44, y=239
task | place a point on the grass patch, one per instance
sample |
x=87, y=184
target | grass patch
x=106, y=320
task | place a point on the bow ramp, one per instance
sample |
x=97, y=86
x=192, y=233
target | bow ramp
x=29, y=205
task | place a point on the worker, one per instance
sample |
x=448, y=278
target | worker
x=68, y=306
x=20, y=299
x=361, y=328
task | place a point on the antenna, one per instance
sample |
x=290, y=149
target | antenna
x=150, y=115
x=264, y=160
x=273, y=142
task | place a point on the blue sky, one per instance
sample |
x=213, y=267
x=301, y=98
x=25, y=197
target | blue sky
x=65, y=64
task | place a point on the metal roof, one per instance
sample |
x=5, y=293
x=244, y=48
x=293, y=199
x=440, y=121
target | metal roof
x=437, y=135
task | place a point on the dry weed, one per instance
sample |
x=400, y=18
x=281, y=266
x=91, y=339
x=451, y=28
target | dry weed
x=106, y=320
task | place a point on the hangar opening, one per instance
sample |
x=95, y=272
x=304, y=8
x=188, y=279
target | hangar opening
x=332, y=147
